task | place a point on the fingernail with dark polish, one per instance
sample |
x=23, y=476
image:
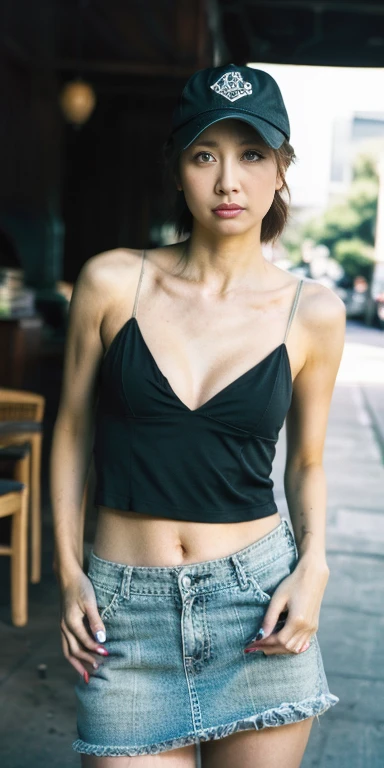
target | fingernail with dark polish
x=257, y=637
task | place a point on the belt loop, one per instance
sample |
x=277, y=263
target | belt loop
x=242, y=577
x=288, y=533
x=125, y=586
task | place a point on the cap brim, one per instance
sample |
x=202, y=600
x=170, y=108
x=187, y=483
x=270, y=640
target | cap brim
x=187, y=134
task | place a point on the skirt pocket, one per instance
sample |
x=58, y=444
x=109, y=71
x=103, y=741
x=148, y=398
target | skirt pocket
x=266, y=578
x=108, y=601
x=264, y=581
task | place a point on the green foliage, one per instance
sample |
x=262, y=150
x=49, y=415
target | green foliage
x=355, y=256
x=347, y=228
x=340, y=221
x=363, y=200
x=364, y=167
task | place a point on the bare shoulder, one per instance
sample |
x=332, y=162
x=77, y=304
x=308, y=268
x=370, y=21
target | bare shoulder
x=320, y=304
x=323, y=317
x=106, y=276
x=103, y=280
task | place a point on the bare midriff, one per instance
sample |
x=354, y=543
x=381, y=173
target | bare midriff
x=139, y=539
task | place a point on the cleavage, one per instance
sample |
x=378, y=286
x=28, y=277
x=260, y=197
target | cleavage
x=227, y=382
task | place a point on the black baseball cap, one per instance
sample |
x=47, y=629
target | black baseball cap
x=218, y=93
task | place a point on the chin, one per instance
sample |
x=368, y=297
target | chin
x=232, y=226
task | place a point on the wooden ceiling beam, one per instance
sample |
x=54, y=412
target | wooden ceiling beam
x=104, y=25
x=153, y=30
x=123, y=67
x=326, y=6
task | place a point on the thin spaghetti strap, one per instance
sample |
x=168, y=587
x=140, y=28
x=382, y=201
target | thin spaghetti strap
x=138, y=286
x=293, y=310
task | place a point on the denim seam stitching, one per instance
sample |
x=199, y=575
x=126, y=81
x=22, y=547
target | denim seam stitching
x=109, y=608
x=245, y=660
x=266, y=564
x=101, y=585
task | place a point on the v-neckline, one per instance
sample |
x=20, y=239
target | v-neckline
x=221, y=391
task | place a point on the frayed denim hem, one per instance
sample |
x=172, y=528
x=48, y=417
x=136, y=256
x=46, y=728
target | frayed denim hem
x=283, y=715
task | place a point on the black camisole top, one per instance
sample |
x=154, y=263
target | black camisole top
x=155, y=455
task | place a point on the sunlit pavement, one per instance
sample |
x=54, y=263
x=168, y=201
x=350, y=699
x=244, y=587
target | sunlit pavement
x=37, y=722
x=351, y=734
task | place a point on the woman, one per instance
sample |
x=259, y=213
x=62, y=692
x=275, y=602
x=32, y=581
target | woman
x=197, y=619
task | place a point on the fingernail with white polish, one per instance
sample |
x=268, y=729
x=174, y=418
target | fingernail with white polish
x=101, y=636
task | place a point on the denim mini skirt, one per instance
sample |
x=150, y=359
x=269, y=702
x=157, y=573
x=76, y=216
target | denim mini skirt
x=177, y=673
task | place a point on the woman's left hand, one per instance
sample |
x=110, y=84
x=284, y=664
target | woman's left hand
x=300, y=594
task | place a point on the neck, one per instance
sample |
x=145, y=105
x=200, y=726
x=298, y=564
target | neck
x=224, y=263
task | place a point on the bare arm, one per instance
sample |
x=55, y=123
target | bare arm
x=69, y=463
x=323, y=316
x=306, y=425
x=73, y=430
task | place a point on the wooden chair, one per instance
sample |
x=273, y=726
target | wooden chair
x=14, y=503
x=21, y=420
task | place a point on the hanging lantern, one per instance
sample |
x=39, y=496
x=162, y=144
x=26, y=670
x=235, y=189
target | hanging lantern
x=77, y=101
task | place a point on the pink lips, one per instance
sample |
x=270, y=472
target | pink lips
x=228, y=211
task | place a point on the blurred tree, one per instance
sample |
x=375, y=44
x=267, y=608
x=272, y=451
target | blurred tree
x=364, y=166
x=347, y=228
x=355, y=256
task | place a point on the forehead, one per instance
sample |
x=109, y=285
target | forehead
x=230, y=128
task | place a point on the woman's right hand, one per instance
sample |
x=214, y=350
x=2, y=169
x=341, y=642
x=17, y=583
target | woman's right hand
x=80, y=621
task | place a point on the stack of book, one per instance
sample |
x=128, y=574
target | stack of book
x=16, y=299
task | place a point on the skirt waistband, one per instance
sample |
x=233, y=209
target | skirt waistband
x=168, y=579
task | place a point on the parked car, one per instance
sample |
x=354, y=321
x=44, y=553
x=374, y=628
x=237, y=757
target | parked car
x=355, y=296
x=374, y=314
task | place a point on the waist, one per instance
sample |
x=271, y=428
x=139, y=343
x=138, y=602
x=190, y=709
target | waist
x=145, y=579
x=138, y=539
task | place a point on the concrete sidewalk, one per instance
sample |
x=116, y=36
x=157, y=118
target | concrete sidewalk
x=351, y=734
x=38, y=714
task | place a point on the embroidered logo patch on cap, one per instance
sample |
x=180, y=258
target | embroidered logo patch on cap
x=232, y=86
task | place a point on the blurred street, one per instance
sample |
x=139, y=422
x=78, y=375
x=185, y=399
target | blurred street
x=351, y=734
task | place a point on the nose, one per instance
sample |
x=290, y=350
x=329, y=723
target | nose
x=227, y=177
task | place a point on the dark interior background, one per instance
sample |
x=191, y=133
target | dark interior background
x=67, y=193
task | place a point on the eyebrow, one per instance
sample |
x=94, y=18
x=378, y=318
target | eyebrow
x=210, y=143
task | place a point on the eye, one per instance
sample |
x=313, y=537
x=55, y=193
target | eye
x=256, y=155
x=202, y=155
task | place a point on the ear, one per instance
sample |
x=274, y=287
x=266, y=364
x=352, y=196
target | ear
x=178, y=184
x=279, y=182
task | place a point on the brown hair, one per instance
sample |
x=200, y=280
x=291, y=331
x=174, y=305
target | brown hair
x=273, y=222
